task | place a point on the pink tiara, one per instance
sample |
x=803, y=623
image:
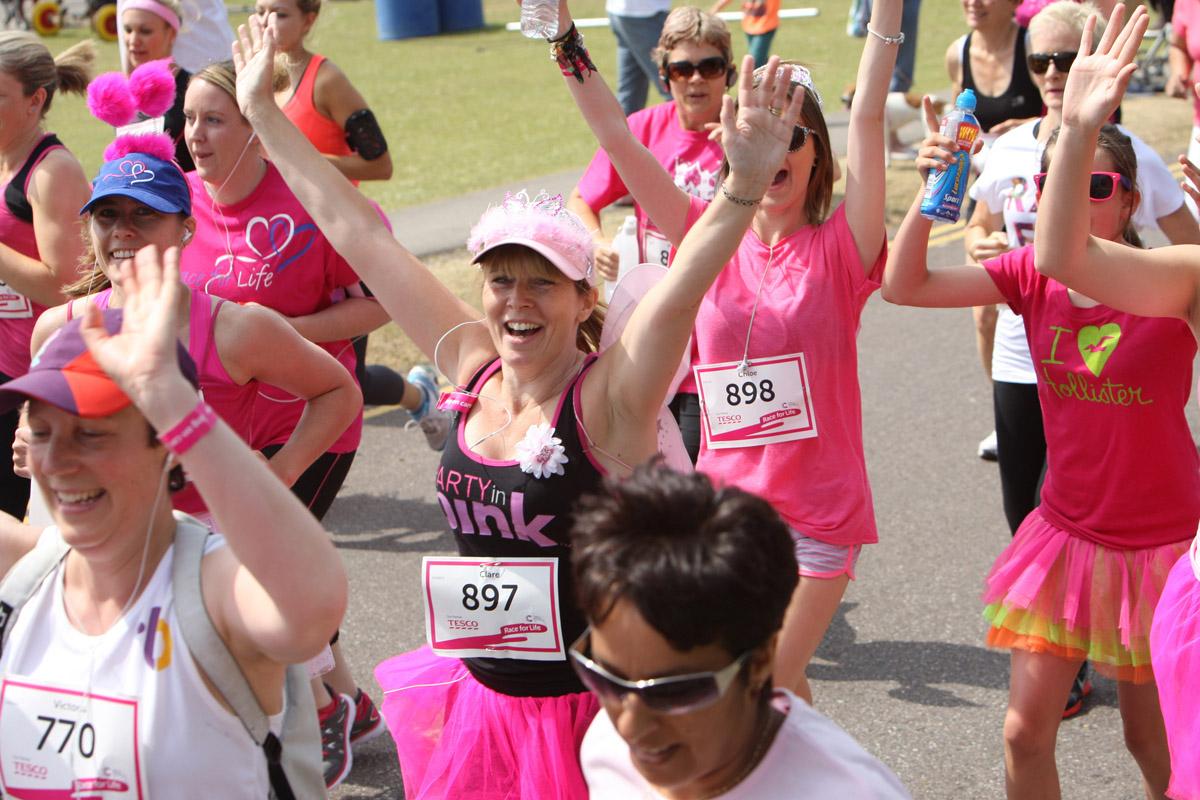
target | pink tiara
x=543, y=221
x=797, y=76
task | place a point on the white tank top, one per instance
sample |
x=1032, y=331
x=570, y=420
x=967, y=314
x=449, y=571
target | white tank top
x=125, y=713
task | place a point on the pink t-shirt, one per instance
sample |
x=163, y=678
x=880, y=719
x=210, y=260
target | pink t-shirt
x=1185, y=24
x=1122, y=470
x=278, y=258
x=811, y=302
x=691, y=159
x=18, y=314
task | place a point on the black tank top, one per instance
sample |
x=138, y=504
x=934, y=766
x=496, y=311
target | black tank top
x=534, y=520
x=1020, y=100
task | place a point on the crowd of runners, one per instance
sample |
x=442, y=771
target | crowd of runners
x=182, y=375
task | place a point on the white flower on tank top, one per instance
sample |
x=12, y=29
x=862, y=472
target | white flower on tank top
x=541, y=453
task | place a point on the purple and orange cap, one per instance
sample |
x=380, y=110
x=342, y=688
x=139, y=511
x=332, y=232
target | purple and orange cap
x=65, y=375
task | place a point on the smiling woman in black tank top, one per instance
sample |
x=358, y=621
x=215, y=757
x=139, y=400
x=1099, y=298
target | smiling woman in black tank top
x=1019, y=101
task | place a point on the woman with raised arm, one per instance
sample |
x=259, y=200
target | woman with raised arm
x=1164, y=282
x=235, y=347
x=1121, y=498
x=43, y=186
x=775, y=356
x=111, y=413
x=539, y=420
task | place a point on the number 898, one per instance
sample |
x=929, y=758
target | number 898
x=736, y=394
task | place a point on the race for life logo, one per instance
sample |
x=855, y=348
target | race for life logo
x=275, y=243
x=157, y=647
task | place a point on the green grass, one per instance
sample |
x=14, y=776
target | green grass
x=469, y=111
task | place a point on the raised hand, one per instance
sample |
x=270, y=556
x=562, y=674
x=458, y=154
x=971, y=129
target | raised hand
x=756, y=136
x=141, y=356
x=254, y=60
x=1097, y=80
x=937, y=150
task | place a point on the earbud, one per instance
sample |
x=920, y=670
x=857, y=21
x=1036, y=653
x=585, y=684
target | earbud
x=187, y=237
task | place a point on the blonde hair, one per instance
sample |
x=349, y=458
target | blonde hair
x=1069, y=15
x=23, y=56
x=223, y=75
x=509, y=259
x=690, y=24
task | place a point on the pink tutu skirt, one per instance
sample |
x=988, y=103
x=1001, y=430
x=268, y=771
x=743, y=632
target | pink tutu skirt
x=1052, y=592
x=458, y=739
x=1175, y=645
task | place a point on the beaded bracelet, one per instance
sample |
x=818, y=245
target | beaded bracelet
x=897, y=39
x=741, y=201
x=189, y=430
x=572, y=57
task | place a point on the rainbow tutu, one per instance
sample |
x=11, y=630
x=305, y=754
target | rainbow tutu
x=1053, y=592
x=456, y=738
x=1175, y=646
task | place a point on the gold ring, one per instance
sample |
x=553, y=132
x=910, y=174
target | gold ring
x=778, y=112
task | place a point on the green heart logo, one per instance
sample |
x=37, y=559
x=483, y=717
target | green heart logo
x=1097, y=344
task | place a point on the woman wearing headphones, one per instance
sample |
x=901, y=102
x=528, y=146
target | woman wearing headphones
x=255, y=244
x=696, y=61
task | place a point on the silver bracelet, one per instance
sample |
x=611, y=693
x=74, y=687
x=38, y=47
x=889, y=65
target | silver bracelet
x=741, y=201
x=897, y=39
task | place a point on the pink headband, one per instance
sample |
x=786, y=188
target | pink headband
x=157, y=9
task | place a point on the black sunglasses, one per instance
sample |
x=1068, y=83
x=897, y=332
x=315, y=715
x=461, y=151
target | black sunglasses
x=709, y=67
x=1040, y=62
x=1102, y=186
x=800, y=135
x=675, y=694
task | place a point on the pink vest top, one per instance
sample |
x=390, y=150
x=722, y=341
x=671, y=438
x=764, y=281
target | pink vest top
x=18, y=313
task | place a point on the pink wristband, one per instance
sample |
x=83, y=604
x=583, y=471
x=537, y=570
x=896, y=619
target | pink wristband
x=190, y=429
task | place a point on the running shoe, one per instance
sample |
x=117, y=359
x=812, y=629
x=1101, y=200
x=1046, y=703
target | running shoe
x=1080, y=688
x=336, y=758
x=987, y=448
x=367, y=722
x=432, y=421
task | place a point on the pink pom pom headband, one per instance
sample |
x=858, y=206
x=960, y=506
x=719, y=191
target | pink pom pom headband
x=157, y=9
x=544, y=225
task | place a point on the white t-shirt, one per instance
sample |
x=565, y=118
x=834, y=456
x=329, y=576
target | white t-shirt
x=637, y=8
x=1006, y=185
x=811, y=757
x=152, y=719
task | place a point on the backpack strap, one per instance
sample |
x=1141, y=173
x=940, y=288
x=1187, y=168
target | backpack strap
x=27, y=575
x=211, y=653
x=14, y=194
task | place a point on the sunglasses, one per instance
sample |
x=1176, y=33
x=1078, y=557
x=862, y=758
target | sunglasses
x=800, y=135
x=1101, y=187
x=709, y=67
x=1040, y=62
x=676, y=694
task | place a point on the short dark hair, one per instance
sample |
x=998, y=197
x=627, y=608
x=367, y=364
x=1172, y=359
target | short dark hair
x=702, y=565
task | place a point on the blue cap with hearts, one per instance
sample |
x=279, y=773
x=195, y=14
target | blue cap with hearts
x=146, y=178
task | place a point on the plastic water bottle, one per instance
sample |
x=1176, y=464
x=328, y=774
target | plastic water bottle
x=539, y=19
x=625, y=245
x=945, y=190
